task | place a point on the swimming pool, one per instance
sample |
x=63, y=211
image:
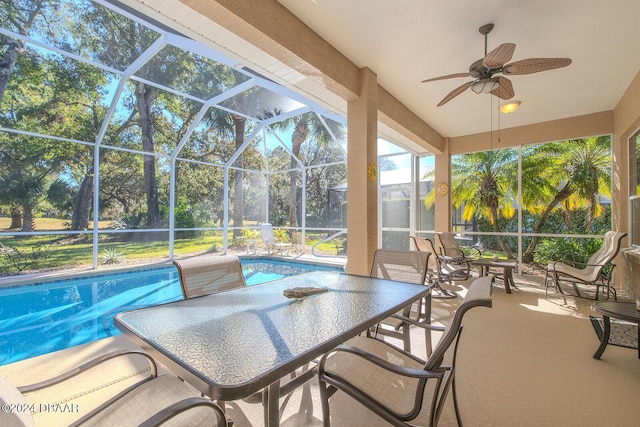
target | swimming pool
x=44, y=317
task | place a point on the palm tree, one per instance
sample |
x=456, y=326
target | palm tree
x=482, y=184
x=570, y=174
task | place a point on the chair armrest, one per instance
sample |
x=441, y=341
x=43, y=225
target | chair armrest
x=399, y=370
x=184, y=405
x=418, y=323
x=89, y=365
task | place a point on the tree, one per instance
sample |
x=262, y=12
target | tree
x=482, y=184
x=307, y=126
x=20, y=16
x=567, y=175
x=25, y=163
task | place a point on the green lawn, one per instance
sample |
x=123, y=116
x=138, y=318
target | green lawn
x=47, y=252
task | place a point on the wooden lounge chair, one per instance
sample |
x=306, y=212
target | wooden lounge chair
x=409, y=267
x=154, y=400
x=396, y=385
x=596, y=272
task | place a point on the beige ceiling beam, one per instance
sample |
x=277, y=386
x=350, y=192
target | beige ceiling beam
x=269, y=26
x=554, y=130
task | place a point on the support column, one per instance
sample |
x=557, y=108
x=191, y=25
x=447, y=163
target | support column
x=362, y=193
x=443, y=202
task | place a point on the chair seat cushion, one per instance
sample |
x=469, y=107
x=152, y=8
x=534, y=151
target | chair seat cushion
x=588, y=274
x=148, y=399
x=392, y=391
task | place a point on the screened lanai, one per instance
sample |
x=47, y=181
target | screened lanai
x=121, y=135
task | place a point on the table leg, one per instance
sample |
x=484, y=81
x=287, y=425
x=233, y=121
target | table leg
x=271, y=402
x=605, y=337
x=508, y=279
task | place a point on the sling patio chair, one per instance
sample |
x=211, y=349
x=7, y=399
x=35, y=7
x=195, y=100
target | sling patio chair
x=152, y=401
x=597, y=271
x=454, y=253
x=409, y=267
x=396, y=385
x=208, y=274
x=440, y=268
x=270, y=240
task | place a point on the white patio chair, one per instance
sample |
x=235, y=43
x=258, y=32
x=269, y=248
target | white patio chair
x=597, y=271
x=270, y=241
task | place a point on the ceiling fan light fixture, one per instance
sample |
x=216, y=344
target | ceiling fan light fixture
x=485, y=85
x=510, y=107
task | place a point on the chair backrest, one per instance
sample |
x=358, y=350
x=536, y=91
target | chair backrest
x=478, y=295
x=449, y=245
x=426, y=245
x=400, y=266
x=609, y=249
x=266, y=231
x=603, y=256
x=208, y=274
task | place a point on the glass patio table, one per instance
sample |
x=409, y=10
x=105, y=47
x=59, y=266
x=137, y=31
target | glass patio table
x=232, y=344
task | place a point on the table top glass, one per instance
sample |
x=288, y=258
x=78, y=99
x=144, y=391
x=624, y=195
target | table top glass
x=239, y=341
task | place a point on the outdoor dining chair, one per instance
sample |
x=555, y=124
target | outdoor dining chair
x=409, y=267
x=208, y=274
x=440, y=268
x=597, y=271
x=396, y=385
x=154, y=400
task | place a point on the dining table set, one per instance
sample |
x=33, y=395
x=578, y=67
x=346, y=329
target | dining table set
x=231, y=345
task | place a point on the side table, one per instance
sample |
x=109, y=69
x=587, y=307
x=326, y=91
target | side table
x=618, y=310
x=507, y=268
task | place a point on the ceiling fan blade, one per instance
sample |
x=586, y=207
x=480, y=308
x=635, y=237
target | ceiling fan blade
x=499, y=56
x=457, y=91
x=504, y=89
x=448, y=76
x=535, y=65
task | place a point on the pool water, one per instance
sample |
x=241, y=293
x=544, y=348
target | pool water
x=41, y=318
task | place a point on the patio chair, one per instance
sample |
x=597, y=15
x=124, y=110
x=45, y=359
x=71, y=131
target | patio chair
x=208, y=274
x=396, y=385
x=409, y=267
x=154, y=400
x=597, y=271
x=270, y=241
x=454, y=253
x=440, y=268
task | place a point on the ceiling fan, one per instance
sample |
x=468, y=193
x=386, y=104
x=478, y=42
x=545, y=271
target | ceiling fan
x=495, y=62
